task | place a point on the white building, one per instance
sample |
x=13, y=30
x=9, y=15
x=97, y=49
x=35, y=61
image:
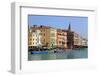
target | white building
x=34, y=38
x=84, y=42
x=53, y=37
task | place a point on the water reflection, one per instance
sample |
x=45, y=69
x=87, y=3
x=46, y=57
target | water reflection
x=82, y=53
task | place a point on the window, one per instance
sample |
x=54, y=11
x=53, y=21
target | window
x=63, y=42
x=40, y=33
x=29, y=43
x=42, y=42
x=59, y=41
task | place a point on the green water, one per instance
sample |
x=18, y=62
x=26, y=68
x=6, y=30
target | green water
x=72, y=54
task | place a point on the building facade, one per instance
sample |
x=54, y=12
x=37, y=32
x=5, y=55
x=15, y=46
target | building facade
x=74, y=40
x=61, y=38
x=49, y=37
x=34, y=38
x=84, y=42
x=53, y=37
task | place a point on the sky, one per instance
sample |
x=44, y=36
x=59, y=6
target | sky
x=78, y=24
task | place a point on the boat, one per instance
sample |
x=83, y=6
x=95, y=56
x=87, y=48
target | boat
x=39, y=52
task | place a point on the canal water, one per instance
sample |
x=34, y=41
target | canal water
x=71, y=54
